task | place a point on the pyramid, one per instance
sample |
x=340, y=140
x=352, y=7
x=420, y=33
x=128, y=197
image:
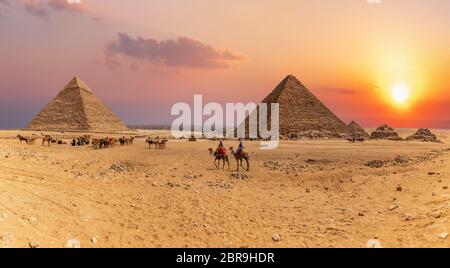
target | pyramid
x=302, y=115
x=424, y=135
x=356, y=130
x=76, y=108
x=385, y=132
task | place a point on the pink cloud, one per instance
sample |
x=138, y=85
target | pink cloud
x=41, y=8
x=182, y=52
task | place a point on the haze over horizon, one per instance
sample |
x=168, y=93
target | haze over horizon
x=370, y=61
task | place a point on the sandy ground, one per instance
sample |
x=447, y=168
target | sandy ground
x=304, y=194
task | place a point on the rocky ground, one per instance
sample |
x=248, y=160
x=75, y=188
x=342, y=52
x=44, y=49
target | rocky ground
x=304, y=194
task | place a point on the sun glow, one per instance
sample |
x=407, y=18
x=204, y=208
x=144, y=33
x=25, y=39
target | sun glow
x=400, y=93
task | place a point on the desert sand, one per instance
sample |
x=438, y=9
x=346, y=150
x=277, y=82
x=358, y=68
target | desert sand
x=304, y=194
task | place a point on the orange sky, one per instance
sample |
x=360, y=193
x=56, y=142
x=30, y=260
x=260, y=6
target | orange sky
x=350, y=53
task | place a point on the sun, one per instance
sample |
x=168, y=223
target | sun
x=400, y=93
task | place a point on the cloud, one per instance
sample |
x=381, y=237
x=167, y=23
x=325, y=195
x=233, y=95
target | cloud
x=35, y=7
x=70, y=5
x=41, y=8
x=182, y=52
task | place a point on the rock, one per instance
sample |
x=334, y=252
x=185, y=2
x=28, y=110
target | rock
x=375, y=164
x=361, y=214
x=73, y=243
x=394, y=207
x=34, y=244
x=436, y=214
x=3, y=216
x=276, y=238
x=94, y=240
x=443, y=235
x=431, y=173
x=399, y=188
x=122, y=166
x=373, y=243
x=6, y=240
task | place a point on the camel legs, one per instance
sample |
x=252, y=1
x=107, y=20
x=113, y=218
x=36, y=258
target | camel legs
x=215, y=160
x=248, y=164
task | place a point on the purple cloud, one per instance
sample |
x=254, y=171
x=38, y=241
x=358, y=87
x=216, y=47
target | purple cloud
x=182, y=52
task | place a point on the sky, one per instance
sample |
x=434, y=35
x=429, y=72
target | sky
x=373, y=61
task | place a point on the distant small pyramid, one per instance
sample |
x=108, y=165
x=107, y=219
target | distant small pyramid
x=301, y=113
x=76, y=108
x=385, y=132
x=356, y=130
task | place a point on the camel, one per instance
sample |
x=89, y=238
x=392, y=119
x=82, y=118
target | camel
x=354, y=139
x=150, y=142
x=103, y=143
x=218, y=157
x=162, y=144
x=159, y=144
x=48, y=139
x=126, y=141
x=28, y=140
x=239, y=157
x=22, y=138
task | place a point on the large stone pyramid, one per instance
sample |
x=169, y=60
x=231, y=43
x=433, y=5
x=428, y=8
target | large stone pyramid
x=302, y=115
x=76, y=108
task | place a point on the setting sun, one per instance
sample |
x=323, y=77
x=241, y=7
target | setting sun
x=400, y=93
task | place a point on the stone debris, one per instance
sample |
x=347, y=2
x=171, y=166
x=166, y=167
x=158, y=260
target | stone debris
x=276, y=238
x=73, y=243
x=122, y=167
x=373, y=243
x=34, y=244
x=6, y=240
x=375, y=164
x=239, y=176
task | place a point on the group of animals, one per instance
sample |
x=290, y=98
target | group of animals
x=159, y=143
x=101, y=143
x=31, y=140
x=222, y=155
x=98, y=143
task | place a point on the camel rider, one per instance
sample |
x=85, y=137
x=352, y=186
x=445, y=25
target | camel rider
x=240, y=148
x=221, y=149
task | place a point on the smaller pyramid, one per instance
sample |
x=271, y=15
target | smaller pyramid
x=76, y=108
x=385, y=132
x=424, y=135
x=355, y=130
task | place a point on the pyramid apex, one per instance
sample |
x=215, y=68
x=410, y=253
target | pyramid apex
x=76, y=82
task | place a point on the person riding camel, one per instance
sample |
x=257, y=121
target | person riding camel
x=240, y=148
x=221, y=150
